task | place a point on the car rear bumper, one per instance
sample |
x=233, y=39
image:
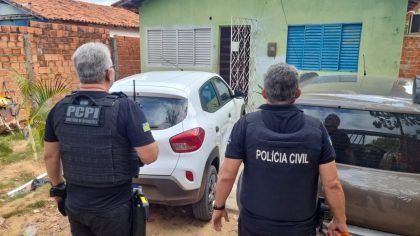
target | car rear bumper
x=166, y=190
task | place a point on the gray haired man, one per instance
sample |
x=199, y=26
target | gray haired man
x=284, y=152
x=99, y=140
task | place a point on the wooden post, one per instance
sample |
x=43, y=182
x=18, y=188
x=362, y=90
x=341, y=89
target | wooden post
x=31, y=77
x=114, y=54
x=28, y=56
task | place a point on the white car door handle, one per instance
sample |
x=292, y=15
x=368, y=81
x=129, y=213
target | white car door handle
x=217, y=129
x=230, y=115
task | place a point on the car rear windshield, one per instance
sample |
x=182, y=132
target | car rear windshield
x=374, y=139
x=163, y=112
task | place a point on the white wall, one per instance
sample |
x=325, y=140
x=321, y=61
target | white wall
x=130, y=32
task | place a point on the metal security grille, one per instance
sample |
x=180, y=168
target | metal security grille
x=242, y=58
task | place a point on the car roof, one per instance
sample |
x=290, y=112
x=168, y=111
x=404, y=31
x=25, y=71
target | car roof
x=365, y=93
x=179, y=80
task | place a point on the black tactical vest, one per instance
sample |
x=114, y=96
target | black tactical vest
x=93, y=152
x=280, y=177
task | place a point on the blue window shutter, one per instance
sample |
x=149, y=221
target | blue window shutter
x=312, y=48
x=295, y=43
x=331, y=47
x=350, y=44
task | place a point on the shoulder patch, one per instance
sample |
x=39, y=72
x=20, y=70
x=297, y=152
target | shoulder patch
x=146, y=127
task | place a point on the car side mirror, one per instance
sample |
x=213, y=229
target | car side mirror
x=238, y=94
x=416, y=89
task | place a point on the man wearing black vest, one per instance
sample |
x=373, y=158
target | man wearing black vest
x=99, y=139
x=284, y=152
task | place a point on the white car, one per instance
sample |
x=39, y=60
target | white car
x=191, y=115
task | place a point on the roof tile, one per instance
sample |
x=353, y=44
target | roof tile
x=77, y=11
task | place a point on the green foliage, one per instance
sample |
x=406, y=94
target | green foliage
x=36, y=95
x=36, y=99
x=7, y=155
x=37, y=204
x=15, y=157
x=12, y=137
x=11, y=199
x=4, y=150
x=26, y=209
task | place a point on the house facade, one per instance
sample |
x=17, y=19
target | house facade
x=324, y=36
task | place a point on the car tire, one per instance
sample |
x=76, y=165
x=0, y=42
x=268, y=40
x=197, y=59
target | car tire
x=203, y=210
x=238, y=191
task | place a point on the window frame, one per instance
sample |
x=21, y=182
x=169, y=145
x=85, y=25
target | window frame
x=166, y=63
x=218, y=93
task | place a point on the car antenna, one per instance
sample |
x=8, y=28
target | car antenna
x=173, y=64
x=134, y=90
x=364, y=65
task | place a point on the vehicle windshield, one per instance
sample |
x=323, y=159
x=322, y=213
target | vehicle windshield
x=163, y=112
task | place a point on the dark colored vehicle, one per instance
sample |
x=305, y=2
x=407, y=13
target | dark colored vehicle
x=374, y=126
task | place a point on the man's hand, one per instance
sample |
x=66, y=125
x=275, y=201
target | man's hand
x=337, y=229
x=217, y=218
x=224, y=185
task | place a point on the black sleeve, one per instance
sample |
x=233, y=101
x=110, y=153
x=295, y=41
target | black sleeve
x=133, y=124
x=236, y=144
x=49, y=135
x=327, y=150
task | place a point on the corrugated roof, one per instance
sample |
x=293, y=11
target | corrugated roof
x=77, y=11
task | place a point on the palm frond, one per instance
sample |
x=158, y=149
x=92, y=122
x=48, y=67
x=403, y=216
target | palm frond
x=43, y=91
x=25, y=86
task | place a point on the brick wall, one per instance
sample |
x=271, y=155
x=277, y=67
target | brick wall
x=410, y=58
x=48, y=53
x=44, y=54
x=49, y=50
x=128, y=49
x=12, y=57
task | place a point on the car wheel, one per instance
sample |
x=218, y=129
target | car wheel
x=203, y=209
x=238, y=191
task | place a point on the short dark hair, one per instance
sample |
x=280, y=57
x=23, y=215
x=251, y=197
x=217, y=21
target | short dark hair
x=281, y=83
x=333, y=116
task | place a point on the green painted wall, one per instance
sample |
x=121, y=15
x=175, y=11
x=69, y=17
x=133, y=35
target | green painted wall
x=382, y=26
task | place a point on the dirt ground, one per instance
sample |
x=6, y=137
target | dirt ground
x=34, y=213
x=175, y=221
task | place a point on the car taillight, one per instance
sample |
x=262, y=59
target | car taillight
x=188, y=141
